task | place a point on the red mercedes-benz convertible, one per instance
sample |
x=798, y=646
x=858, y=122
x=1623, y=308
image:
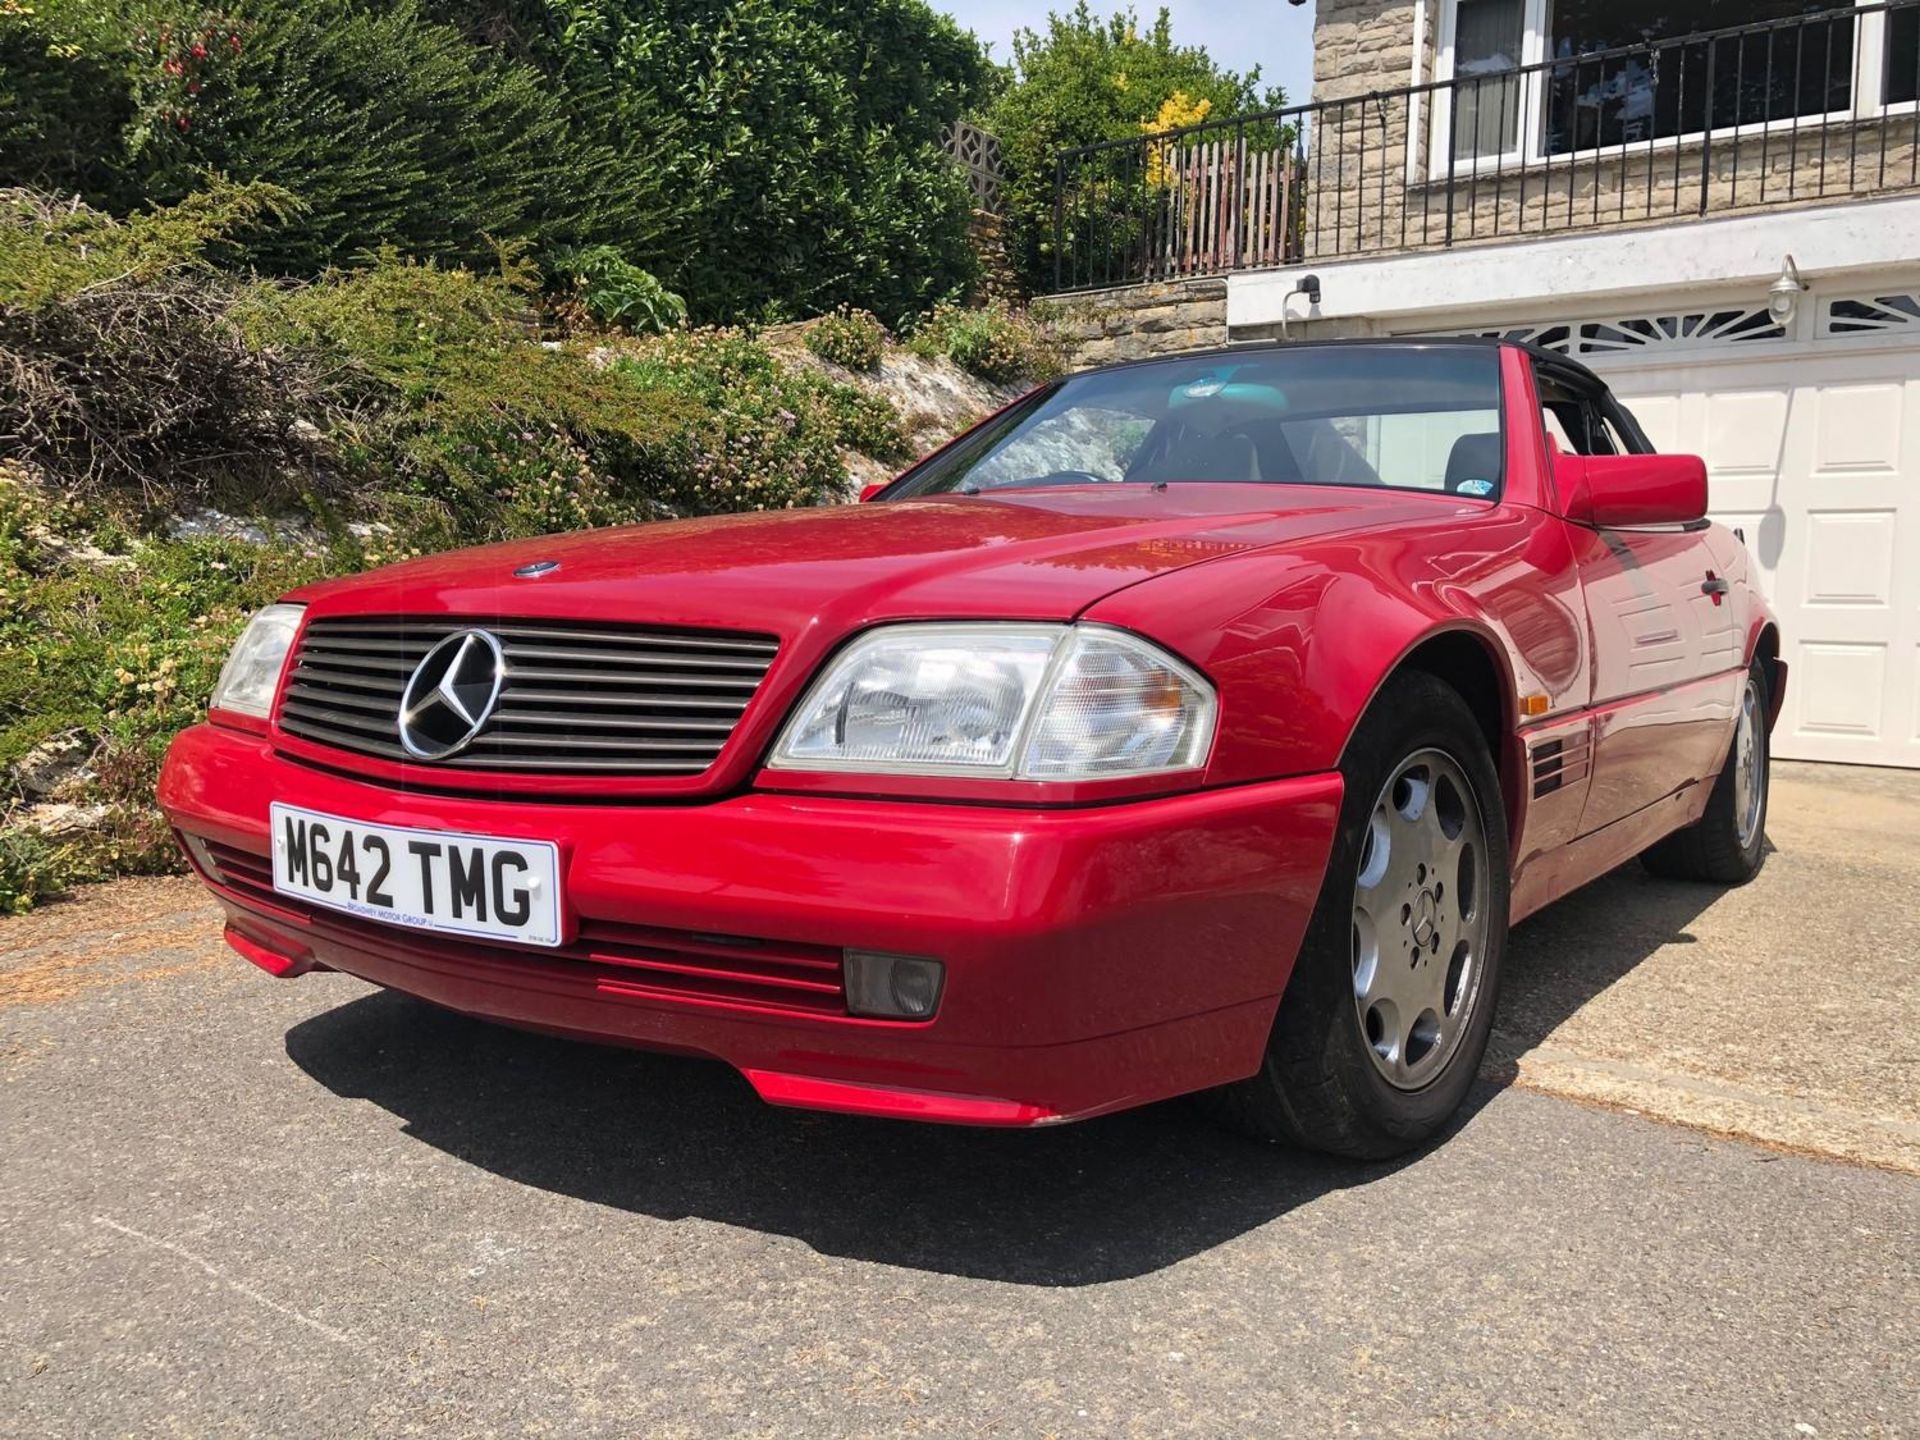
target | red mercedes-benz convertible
x=1192, y=725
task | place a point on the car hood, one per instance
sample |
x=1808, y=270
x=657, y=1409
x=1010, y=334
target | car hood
x=1035, y=555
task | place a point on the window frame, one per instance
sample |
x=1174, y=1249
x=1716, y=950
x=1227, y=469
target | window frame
x=1867, y=103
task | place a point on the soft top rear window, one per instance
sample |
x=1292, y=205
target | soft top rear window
x=1404, y=417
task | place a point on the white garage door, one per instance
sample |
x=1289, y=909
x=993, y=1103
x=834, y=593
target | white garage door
x=1815, y=456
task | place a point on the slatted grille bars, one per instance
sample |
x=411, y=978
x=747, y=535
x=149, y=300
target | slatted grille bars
x=578, y=698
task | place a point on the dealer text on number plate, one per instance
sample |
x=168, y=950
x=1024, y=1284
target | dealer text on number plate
x=424, y=879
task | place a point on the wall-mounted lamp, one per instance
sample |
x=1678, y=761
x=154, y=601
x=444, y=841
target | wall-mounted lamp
x=1783, y=296
x=1309, y=286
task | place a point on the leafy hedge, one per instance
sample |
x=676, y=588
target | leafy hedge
x=764, y=158
x=806, y=138
x=390, y=128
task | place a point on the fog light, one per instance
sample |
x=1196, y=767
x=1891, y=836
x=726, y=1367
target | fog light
x=899, y=987
x=202, y=857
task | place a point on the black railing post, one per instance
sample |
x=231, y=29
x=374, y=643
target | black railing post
x=1453, y=153
x=1239, y=194
x=1706, y=130
x=1059, y=212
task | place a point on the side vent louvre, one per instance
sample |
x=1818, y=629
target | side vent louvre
x=1561, y=762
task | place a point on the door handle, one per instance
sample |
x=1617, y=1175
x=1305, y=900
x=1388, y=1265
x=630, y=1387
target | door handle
x=1713, y=585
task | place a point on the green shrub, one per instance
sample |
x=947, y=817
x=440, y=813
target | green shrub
x=995, y=342
x=392, y=129
x=31, y=869
x=848, y=337
x=765, y=437
x=65, y=109
x=136, y=366
x=613, y=290
x=866, y=422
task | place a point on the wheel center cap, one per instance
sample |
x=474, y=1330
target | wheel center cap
x=1426, y=918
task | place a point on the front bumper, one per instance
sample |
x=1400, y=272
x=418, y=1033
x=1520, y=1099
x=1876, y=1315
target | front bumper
x=1095, y=958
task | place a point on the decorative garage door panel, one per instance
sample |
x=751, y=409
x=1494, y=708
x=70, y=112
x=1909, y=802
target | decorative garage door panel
x=1817, y=460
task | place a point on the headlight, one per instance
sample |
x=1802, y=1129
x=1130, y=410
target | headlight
x=248, y=678
x=1004, y=701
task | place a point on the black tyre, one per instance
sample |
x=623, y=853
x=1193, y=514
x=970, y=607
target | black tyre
x=1728, y=844
x=1386, y=1017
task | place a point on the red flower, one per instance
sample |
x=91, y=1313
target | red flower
x=199, y=51
x=193, y=87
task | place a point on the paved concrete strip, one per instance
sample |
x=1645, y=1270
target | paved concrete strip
x=1808, y=1126
x=1787, y=1010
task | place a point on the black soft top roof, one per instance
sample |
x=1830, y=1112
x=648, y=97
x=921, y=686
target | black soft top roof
x=1566, y=364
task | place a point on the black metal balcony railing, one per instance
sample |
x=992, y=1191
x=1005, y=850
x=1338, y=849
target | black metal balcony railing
x=1813, y=107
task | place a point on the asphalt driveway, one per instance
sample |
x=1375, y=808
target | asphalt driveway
x=235, y=1206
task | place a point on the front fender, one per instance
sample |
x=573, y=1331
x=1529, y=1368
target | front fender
x=1299, y=643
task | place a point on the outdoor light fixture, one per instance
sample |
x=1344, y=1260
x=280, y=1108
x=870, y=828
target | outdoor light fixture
x=1783, y=296
x=1309, y=286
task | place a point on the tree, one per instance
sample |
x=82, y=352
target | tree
x=1088, y=79
x=806, y=141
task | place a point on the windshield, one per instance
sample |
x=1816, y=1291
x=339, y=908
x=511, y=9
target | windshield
x=1408, y=417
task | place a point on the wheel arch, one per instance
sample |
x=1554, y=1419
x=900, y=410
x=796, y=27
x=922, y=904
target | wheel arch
x=1475, y=666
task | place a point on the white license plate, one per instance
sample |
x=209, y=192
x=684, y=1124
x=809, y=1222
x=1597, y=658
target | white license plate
x=423, y=879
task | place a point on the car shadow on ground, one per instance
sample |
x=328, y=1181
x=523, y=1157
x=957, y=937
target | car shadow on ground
x=1109, y=1199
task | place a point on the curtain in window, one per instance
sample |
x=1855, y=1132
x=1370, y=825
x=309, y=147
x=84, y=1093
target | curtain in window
x=1487, y=35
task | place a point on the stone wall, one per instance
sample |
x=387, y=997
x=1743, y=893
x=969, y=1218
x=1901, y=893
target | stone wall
x=1364, y=45
x=1135, y=321
x=998, y=279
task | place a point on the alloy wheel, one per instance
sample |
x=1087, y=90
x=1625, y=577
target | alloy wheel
x=1420, y=918
x=1749, y=768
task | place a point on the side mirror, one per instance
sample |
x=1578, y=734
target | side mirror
x=867, y=492
x=1615, y=491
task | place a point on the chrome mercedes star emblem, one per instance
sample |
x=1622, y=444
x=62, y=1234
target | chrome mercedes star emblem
x=451, y=694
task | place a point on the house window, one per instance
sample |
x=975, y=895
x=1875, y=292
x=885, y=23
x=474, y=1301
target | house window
x=1661, y=89
x=1541, y=78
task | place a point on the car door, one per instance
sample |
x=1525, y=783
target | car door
x=1663, y=639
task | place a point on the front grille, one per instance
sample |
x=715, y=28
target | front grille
x=630, y=962
x=578, y=698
